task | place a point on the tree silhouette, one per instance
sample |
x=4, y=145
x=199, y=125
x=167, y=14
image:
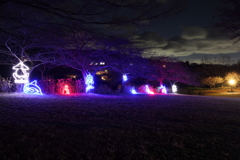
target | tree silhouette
x=27, y=47
x=170, y=68
x=95, y=16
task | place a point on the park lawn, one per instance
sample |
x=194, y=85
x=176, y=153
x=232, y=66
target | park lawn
x=222, y=92
x=100, y=127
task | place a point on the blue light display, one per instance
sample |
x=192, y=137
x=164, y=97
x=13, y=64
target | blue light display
x=32, y=88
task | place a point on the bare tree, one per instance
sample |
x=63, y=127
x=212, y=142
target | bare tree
x=216, y=66
x=89, y=53
x=170, y=68
x=26, y=47
x=95, y=16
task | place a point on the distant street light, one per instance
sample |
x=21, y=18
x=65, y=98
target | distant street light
x=232, y=82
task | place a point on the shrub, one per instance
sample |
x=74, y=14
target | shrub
x=191, y=91
x=103, y=89
x=142, y=89
x=51, y=86
x=47, y=85
x=5, y=84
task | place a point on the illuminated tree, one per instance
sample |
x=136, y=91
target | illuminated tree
x=128, y=64
x=170, y=68
x=80, y=32
x=87, y=52
x=212, y=81
x=27, y=47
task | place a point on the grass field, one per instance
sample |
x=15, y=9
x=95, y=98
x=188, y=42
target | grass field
x=124, y=127
x=222, y=92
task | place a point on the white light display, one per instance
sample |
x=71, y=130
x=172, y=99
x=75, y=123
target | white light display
x=125, y=78
x=163, y=89
x=21, y=73
x=148, y=90
x=133, y=91
x=174, y=88
x=89, y=82
x=32, y=88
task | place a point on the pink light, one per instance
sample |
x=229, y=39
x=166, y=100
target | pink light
x=66, y=89
x=148, y=90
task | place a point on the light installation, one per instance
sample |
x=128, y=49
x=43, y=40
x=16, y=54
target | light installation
x=174, y=88
x=66, y=89
x=148, y=90
x=133, y=91
x=32, y=88
x=21, y=73
x=125, y=78
x=89, y=82
x=163, y=88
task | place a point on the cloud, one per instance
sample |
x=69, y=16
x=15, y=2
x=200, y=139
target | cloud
x=151, y=38
x=194, y=32
x=193, y=41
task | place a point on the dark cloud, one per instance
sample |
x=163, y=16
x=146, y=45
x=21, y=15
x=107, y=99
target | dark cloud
x=194, y=32
x=192, y=40
x=151, y=38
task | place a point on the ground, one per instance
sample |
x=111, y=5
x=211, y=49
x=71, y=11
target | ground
x=100, y=127
x=221, y=92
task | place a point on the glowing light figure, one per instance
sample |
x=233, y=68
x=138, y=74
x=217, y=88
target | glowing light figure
x=89, y=82
x=133, y=91
x=66, y=89
x=32, y=88
x=174, y=88
x=125, y=78
x=148, y=90
x=163, y=89
x=23, y=77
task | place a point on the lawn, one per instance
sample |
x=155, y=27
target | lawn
x=221, y=92
x=124, y=127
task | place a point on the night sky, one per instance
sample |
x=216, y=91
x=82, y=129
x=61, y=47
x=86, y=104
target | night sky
x=190, y=35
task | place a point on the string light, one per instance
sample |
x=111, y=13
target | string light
x=32, y=88
x=20, y=68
